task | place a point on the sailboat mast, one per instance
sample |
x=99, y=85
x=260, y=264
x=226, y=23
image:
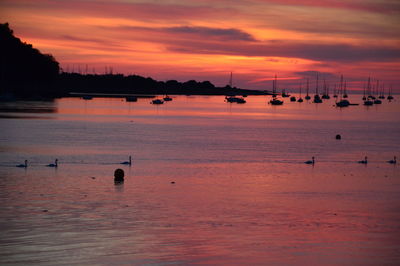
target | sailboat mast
x=341, y=86
x=369, y=86
x=300, y=89
x=364, y=90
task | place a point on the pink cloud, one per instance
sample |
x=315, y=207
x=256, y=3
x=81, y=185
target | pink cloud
x=377, y=6
x=144, y=11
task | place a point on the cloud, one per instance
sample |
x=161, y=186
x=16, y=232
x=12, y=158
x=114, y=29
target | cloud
x=376, y=6
x=122, y=9
x=226, y=34
x=166, y=34
x=207, y=40
x=312, y=51
x=313, y=74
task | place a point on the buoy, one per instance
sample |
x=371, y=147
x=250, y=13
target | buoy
x=338, y=136
x=119, y=176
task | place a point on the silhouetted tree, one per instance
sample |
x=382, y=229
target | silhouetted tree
x=24, y=69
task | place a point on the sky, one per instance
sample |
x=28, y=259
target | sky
x=209, y=39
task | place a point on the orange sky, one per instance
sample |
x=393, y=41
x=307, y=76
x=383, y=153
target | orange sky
x=207, y=39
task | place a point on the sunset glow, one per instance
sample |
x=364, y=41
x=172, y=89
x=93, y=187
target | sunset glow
x=206, y=40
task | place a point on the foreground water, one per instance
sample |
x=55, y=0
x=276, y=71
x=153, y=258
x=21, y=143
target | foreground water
x=242, y=194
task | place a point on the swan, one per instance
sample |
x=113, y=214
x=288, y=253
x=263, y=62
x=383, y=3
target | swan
x=310, y=161
x=365, y=161
x=394, y=161
x=55, y=164
x=25, y=165
x=128, y=162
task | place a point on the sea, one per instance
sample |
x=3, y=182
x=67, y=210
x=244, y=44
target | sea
x=211, y=182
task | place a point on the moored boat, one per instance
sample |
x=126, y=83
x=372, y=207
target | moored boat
x=157, y=101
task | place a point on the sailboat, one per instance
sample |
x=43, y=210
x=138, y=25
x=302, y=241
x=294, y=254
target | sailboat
x=382, y=92
x=342, y=102
x=300, y=100
x=307, y=96
x=377, y=101
x=167, y=98
x=364, y=97
x=390, y=97
x=157, y=101
x=345, y=90
x=284, y=94
x=370, y=90
x=233, y=99
x=368, y=102
x=317, y=99
x=274, y=100
x=334, y=92
x=326, y=91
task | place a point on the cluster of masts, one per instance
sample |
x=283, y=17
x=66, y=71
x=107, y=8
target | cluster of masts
x=339, y=93
x=370, y=90
x=87, y=70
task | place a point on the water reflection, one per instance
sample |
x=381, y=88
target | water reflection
x=27, y=109
x=242, y=193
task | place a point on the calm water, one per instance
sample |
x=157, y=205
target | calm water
x=242, y=194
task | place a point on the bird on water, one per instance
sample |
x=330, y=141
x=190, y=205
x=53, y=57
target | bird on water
x=128, y=162
x=24, y=165
x=394, y=161
x=55, y=164
x=312, y=161
x=365, y=161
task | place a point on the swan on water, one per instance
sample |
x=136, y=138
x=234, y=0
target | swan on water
x=55, y=164
x=24, y=165
x=394, y=161
x=310, y=161
x=365, y=161
x=128, y=162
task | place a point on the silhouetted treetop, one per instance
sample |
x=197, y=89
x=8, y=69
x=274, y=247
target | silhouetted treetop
x=21, y=62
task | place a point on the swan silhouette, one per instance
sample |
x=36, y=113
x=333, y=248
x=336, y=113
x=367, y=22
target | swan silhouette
x=128, y=162
x=55, y=164
x=24, y=165
x=312, y=161
x=394, y=161
x=365, y=161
